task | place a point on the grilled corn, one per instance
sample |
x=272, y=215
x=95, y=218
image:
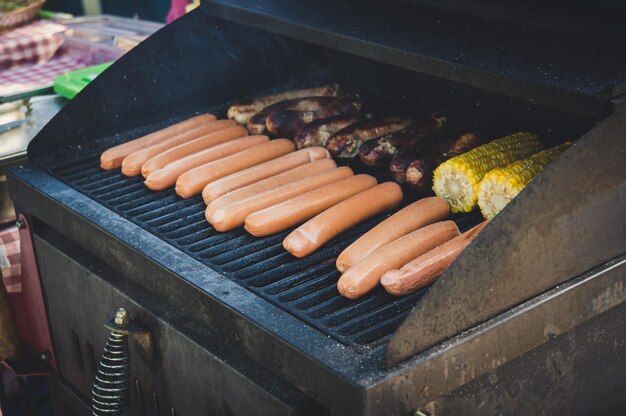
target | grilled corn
x=456, y=180
x=499, y=186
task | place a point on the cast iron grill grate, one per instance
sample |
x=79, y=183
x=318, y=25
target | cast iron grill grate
x=305, y=287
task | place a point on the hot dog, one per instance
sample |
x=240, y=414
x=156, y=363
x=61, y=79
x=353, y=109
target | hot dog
x=262, y=171
x=192, y=182
x=112, y=158
x=293, y=175
x=366, y=274
x=242, y=112
x=131, y=165
x=191, y=147
x=410, y=218
x=167, y=176
x=428, y=267
x=299, y=209
x=285, y=123
x=233, y=216
x=346, y=142
x=311, y=235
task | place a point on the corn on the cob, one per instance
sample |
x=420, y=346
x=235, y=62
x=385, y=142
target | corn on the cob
x=499, y=186
x=456, y=179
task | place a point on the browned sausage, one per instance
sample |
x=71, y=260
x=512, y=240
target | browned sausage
x=311, y=235
x=191, y=147
x=242, y=112
x=410, y=218
x=292, y=175
x=346, y=142
x=425, y=269
x=112, y=158
x=262, y=171
x=167, y=176
x=234, y=215
x=365, y=275
x=193, y=182
x=257, y=124
x=317, y=132
x=285, y=123
x=299, y=209
x=131, y=165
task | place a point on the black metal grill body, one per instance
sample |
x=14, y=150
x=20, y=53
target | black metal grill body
x=283, y=314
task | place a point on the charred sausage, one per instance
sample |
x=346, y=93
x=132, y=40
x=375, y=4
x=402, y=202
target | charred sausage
x=242, y=112
x=317, y=132
x=131, y=165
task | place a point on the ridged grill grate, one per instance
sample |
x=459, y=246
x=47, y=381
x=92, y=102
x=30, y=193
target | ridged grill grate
x=305, y=287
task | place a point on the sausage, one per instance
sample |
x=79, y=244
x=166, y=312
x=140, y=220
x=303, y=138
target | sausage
x=191, y=147
x=410, y=218
x=257, y=124
x=419, y=173
x=293, y=175
x=378, y=152
x=299, y=209
x=112, y=158
x=167, y=176
x=242, y=112
x=365, y=275
x=262, y=171
x=399, y=164
x=346, y=142
x=317, y=132
x=193, y=181
x=310, y=236
x=285, y=123
x=424, y=270
x=232, y=216
x=131, y=165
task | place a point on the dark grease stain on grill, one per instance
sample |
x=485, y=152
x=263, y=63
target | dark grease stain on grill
x=305, y=287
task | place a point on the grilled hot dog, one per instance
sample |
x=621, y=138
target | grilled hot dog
x=346, y=142
x=262, y=171
x=112, y=158
x=311, y=235
x=192, y=182
x=428, y=267
x=167, y=176
x=296, y=210
x=366, y=274
x=131, y=165
x=233, y=216
x=274, y=182
x=410, y=218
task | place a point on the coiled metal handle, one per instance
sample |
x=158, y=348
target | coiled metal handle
x=112, y=382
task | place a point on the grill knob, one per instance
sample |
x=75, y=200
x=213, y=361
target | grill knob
x=111, y=385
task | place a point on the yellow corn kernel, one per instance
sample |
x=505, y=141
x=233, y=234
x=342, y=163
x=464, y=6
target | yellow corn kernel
x=456, y=180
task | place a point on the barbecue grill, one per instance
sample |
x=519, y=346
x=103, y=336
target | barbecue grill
x=530, y=317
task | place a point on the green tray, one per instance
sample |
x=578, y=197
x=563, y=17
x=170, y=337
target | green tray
x=71, y=83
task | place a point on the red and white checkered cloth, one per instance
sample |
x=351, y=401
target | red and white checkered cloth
x=32, y=76
x=10, y=259
x=35, y=43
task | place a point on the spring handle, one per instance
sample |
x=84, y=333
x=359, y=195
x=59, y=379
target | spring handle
x=112, y=381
